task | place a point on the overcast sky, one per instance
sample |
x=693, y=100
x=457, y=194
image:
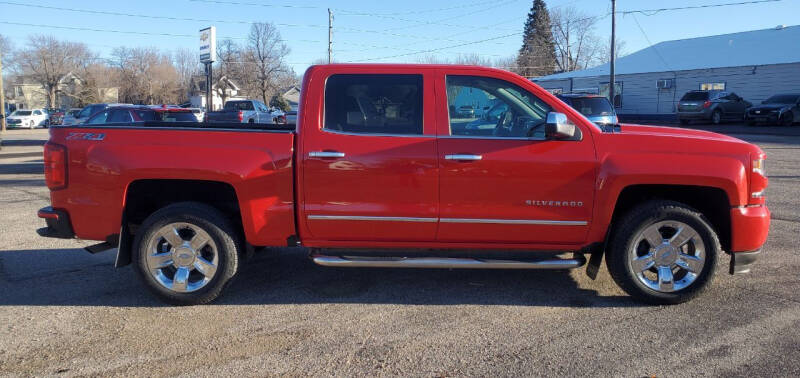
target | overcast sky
x=375, y=31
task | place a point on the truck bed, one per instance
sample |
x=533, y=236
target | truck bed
x=104, y=161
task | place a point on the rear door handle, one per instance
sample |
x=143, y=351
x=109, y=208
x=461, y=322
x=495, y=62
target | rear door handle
x=463, y=157
x=326, y=154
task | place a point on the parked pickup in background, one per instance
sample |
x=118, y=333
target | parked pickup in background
x=243, y=111
x=377, y=174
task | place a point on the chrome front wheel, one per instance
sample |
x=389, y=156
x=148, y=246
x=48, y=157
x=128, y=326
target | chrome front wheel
x=182, y=257
x=667, y=256
x=663, y=252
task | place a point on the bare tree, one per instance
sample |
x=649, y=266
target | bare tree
x=187, y=65
x=605, y=54
x=577, y=45
x=146, y=76
x=266, y=52
x=5, y=48
x=47, y=60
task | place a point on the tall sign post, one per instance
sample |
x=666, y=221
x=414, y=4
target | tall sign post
x=208, y=54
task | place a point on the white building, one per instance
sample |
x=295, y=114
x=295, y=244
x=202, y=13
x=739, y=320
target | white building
x=223, y=90
x=650, y=82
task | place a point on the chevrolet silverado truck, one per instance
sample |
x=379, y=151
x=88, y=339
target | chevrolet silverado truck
x=379, y=174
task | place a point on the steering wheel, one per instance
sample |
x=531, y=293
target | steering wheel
x=532, y=129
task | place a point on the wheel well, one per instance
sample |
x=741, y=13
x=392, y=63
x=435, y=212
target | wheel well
x=711, y=202
x=144, y=197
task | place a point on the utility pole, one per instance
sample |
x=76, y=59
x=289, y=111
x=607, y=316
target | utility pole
x=330, y=36
x=209, y=83
x=611, y=79
x=2, y=97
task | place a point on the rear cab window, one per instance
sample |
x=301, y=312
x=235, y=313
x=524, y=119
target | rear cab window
x=374, y=104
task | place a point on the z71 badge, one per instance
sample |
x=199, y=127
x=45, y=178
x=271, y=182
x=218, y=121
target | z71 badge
x=86, y=136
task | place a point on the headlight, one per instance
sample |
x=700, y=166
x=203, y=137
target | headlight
x=758, y=166
x=758, y=180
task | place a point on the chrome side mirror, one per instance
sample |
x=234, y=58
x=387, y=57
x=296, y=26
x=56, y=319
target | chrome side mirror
x=558, y=127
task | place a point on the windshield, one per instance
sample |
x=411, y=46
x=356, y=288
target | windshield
x=695, y=96
x=238, y=105
x=593, y=106
x=21, y=113
x=782, y=99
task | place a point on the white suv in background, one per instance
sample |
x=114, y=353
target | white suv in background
x=29, y=118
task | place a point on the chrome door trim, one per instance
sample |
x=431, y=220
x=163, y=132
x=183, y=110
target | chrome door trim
x=372, y=218
x=463, y=157
x=515, y=221
x=449, y=220
x=326, y=154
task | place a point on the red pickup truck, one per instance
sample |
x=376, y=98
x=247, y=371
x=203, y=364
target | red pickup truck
x=383, y=171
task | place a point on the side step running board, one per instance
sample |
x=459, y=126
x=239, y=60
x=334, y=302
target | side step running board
x=445, y=263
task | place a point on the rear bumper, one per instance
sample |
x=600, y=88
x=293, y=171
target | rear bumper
x=694, y=115
x=58, y=224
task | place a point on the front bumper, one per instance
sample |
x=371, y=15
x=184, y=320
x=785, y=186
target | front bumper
x=749, y=228
x=742, y=261
x=58, y=224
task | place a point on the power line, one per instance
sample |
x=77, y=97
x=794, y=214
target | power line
x=646, y=38
x=651, y=12
x=132, y=32
x=443, y=48
x=109, y=13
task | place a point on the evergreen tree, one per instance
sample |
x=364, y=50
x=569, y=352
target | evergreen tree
x=537, y=56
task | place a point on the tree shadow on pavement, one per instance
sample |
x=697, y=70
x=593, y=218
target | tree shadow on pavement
x=73, y=277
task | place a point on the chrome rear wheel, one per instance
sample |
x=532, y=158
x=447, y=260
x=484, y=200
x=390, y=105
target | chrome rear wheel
x=182, y=257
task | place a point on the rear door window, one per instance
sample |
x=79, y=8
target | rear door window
x=119, y=116
x=374, y=104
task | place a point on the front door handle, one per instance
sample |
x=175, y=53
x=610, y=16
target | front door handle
x=463, y=157
x=326, y=154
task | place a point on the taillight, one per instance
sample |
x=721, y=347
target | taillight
x=758, y=180
x=55, y=166
x=241, y=116
x=706, y=104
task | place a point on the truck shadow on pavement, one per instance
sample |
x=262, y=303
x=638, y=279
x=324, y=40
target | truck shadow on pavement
x=73, y=277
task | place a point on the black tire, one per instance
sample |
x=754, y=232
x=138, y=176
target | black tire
x=787, y=119
x=716, y=117
x=645, y=215
x=684, y=122
x=209, y=220
x=751, y=123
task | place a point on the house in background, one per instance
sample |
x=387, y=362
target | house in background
x=223, y=90
x=27, y=94
x=650, y=82
x=292, y=95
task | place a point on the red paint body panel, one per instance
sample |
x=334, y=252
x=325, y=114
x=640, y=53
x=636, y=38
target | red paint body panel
x=257, y=164
x=277, y=182
x=749, y=228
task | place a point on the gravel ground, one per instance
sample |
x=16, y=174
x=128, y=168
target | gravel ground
x=65, y=311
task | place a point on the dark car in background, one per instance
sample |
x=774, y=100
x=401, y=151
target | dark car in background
x=140, y=114
x=594, y=107
x=711, y=106
x=782, y=108
x=87, y=112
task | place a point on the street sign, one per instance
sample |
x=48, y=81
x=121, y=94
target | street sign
x=208, y=44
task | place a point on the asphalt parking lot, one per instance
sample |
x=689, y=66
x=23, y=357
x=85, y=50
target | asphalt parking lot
x=65, y=311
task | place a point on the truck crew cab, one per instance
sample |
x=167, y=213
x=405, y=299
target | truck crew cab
x=380, y=173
